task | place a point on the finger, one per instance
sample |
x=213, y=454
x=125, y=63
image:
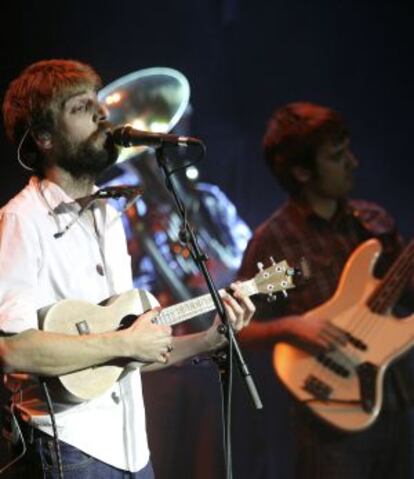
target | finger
x=322, y=345
x=328, y=341
x=326, y=347
x=249, y=309
x=151, y=314
x=328, y=335
x=166, y=345
x=340, y=334
x=334, y=328
x=165, y=357
x=245, y=302
x=244, y=299
x=236, y=285
x=233, y=303
x=234, y=319
x=235, y=306
x=336, y=334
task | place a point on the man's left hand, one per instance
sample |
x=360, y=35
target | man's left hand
x=239, y=310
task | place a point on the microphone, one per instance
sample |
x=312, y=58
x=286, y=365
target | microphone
x=131, y=193
x=119, y=192
x=127, y=136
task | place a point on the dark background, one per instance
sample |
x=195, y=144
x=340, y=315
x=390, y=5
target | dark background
x=244, y=58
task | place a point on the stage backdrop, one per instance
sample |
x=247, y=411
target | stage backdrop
x=243, y=58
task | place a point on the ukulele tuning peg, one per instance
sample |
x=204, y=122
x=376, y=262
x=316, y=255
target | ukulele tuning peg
x=272, y=260
x=260, y=266
x=271, y=298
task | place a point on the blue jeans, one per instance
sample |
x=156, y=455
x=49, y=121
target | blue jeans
x=40, y=462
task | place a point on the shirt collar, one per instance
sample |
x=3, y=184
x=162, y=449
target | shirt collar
x=56, y=198
x=302, y=211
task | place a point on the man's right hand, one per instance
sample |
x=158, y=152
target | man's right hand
x=148, y=342
x=313, y=331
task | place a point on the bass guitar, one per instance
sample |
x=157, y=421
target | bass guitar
x=345, y=386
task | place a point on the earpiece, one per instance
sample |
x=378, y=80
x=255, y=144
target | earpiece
x=43, y=139
x=44, y=136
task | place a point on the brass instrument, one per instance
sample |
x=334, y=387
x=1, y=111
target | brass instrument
x=154, y=99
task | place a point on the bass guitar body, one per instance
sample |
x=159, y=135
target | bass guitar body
x=345, y=386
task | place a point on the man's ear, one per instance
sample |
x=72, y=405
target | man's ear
x=302, y=175
x=43, y=139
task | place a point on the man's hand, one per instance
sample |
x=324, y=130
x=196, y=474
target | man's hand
x=314, y=331
x=239, y=310
x=149, y=342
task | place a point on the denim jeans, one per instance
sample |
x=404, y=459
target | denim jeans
x=40, y=462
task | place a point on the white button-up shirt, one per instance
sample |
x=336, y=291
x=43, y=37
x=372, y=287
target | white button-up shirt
x=38, y=269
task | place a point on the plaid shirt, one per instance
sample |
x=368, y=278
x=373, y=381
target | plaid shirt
x=294, y=232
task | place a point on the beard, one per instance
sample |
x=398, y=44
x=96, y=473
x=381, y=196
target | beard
x=86, y=159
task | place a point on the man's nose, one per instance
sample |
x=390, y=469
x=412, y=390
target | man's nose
x=101, y=113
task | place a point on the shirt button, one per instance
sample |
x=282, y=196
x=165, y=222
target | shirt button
x=100, y=270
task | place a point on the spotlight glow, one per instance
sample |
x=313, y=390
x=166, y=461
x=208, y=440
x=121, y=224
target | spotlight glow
x=159, y=127
x=139, y=124
x=192, y=173
x=114, y=98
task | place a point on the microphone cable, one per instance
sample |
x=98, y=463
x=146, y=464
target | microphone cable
x=20, y=435
x=56, y=443
x=132, y=193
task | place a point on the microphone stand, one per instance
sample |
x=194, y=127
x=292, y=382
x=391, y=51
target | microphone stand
x=225, y=360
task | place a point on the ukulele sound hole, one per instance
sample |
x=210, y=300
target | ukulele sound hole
x=127, y=321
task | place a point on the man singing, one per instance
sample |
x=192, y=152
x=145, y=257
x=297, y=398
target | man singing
x=49, y=251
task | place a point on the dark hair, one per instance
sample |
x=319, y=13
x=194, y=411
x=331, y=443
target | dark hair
x=293, y=136
x=34, y=97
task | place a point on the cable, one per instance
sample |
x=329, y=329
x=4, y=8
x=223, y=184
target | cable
x=54, y=427
x=229, y=461
x=19, y=155
x=201, y=155
x=132, y=193
x=76, y=218
x=20, y=435
x=221, y=358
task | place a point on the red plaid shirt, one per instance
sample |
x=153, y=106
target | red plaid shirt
x=294, y=232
